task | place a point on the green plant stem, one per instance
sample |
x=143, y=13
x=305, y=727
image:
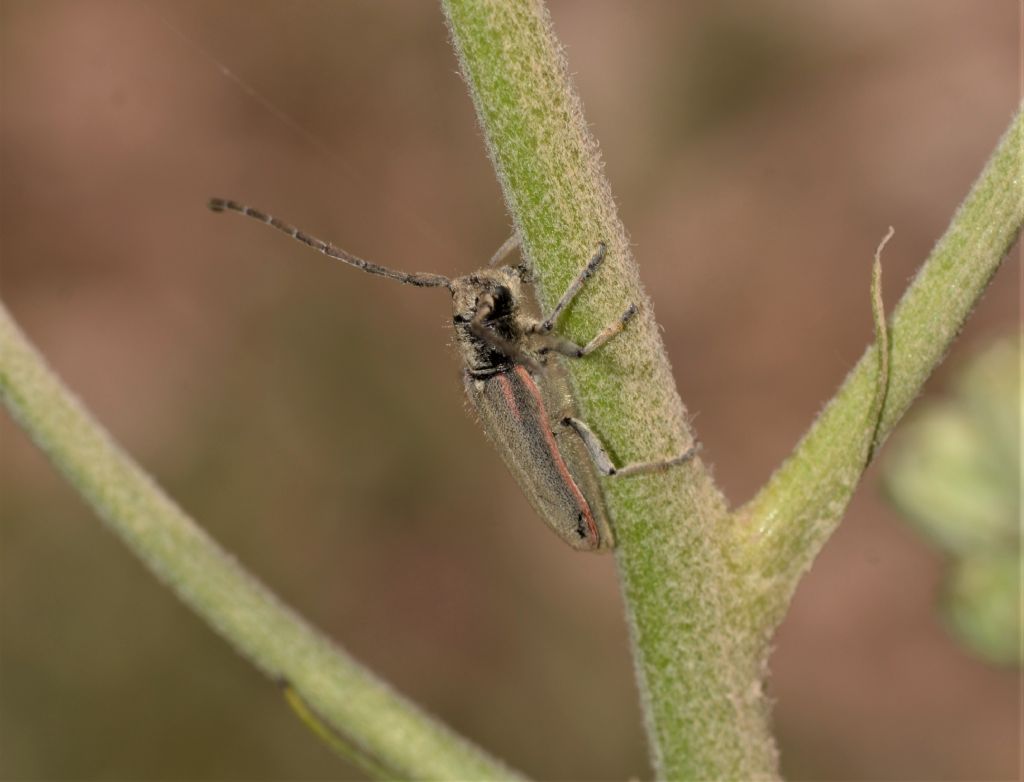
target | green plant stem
x=698, y=680
x=790, y=519
x=379, y=724
x=703, y=588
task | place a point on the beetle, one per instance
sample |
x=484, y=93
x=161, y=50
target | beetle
x=521, y=397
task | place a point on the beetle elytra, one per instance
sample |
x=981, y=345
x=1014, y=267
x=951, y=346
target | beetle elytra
x=518, y=394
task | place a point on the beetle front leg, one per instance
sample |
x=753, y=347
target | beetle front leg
x=575, y=286
x=604, y=463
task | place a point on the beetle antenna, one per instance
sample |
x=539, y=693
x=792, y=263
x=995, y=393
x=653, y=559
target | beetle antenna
x=328, y=249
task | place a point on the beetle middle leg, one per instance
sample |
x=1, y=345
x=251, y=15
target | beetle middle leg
x=559, y=344
x=604, y=462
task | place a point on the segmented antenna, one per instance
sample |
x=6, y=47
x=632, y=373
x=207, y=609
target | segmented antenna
x=328, y=249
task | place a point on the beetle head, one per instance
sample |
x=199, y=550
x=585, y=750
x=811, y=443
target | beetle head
x=503, y=286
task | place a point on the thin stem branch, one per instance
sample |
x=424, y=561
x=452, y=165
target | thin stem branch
x=377, y=722
x=790, y=519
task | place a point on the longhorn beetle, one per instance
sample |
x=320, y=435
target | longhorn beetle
x=514, y=388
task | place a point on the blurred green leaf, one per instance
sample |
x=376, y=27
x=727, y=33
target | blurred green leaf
x=982, y=605
x=955, y=473
x=944, y=477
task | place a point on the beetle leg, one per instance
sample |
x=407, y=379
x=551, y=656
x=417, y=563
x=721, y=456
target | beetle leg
x=505, y=250
x=604, y=463
x=549, y=322
x=602, y=460
x=567, y=347
x=609, y=331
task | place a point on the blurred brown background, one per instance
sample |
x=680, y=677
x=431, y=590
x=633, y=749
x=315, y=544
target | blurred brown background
x=311, y=418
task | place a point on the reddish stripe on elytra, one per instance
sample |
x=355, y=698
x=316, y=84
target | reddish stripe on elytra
x=556, y=455
x=510, y=397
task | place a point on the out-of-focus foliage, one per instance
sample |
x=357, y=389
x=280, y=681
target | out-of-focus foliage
x=955, y=472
